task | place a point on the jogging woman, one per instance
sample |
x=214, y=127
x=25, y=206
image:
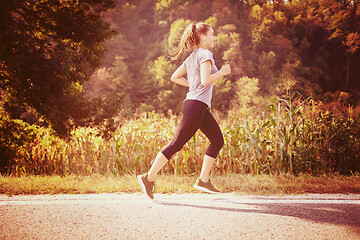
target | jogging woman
x=201, y=74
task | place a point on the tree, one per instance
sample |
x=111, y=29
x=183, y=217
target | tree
x=48, y=49
x=280, y=43
x=352, y=44
x=167, y=95
x=343, y=21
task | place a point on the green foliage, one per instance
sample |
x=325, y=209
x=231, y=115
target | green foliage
x=47, y=48
x=331, y=145
x=285, y=45
x=176, y=30
x=223, y=93
x=248, y=99
x=166, y=95
x=291, y=136
x=51, y=62
x=15, y=137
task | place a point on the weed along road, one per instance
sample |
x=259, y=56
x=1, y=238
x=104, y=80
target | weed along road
x=180, y=216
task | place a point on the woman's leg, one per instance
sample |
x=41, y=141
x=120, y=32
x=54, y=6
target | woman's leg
x=158, y=164
x=193, y=114
x=212, y=131
x=206, y=167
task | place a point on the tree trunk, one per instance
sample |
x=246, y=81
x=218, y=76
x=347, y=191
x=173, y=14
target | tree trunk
x=347, y=70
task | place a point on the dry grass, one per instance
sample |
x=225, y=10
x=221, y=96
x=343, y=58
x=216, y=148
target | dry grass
x=167, y=184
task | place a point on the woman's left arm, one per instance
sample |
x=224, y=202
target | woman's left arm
x=207, y=77
x=178, y=76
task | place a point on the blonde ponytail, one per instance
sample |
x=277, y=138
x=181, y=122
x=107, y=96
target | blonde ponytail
x=190, y=39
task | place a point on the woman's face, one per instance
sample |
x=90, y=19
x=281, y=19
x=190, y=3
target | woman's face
x=209, y=39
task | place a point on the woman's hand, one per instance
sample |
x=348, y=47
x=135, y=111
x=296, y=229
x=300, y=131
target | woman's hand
x=225, y=70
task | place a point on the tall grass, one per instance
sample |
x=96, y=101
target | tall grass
x=265, y=144
x=289, y=137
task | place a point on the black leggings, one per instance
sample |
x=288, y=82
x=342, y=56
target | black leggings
x=196, y=115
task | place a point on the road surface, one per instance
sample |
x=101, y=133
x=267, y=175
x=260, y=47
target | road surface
x=180, y=216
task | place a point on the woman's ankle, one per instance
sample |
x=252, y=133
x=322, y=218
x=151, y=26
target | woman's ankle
x=150, y=177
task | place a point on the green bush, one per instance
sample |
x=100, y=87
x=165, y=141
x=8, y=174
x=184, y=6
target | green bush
x=332, y=146
x=15, y=137
x=342, y=146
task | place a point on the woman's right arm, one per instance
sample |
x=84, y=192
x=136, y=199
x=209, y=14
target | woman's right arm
x=178, y=76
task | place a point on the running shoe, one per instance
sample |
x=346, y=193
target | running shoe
x=205, y=186
x=146, y=185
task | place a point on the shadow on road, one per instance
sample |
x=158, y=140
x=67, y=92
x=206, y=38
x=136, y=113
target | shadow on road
x=332, y=213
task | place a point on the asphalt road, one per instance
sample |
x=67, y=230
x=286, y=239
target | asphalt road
x=180, y=216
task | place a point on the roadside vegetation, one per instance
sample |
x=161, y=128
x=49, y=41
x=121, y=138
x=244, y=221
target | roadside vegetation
x=288, y=137
x=86, y=99
x=169, y=184
x=295, y=147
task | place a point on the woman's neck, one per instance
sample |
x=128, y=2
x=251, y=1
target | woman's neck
x=202, y=45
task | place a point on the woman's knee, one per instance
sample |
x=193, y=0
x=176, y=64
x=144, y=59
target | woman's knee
x=215, y=147
x=170, y=149
x=219, y=143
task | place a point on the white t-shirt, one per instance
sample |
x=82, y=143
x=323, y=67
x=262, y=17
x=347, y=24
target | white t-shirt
x=192, y=64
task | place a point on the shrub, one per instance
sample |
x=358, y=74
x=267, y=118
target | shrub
x=332, y=146
x=15, y=137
